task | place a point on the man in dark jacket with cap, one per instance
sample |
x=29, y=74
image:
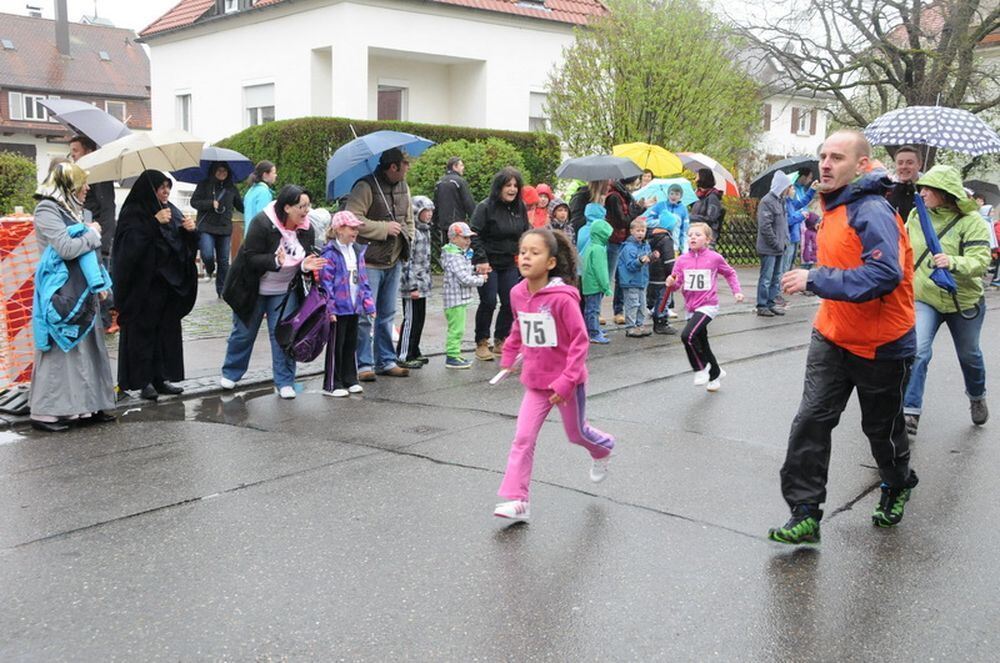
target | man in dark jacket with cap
x=453, y=201
x=382, y=202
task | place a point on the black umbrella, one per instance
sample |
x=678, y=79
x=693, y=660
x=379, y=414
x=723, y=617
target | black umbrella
x=598, y=167
x=762, y=183
x=988, y=190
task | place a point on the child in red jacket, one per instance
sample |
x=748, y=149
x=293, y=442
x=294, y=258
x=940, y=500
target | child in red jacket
x=551, y=337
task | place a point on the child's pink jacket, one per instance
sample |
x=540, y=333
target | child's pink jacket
x=703, y=259
x=562, y=367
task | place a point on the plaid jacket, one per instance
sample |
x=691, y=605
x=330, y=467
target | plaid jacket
x=459, y=279
x=417, y=270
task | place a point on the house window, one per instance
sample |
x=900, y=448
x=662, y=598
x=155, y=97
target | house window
x=767, y=117
x=115, y=109
x=258, y=100
x=391, y=102
x=33, y=110
x=538, y=115
x=804, y=121
x=803, y=125
x=183, y=112
x=230, y=6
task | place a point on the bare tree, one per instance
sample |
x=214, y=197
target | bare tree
x=877, y=55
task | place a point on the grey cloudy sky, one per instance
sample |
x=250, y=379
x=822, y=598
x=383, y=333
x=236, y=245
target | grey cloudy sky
x=134, y=14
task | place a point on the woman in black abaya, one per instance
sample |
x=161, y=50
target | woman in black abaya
x=155, y=285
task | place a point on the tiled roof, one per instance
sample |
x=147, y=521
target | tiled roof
x=187, y=12
x=35, y=62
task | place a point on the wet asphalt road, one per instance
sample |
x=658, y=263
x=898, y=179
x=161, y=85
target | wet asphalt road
x=248, y=528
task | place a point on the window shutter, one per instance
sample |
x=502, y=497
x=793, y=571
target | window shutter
x=16, y=105
x=795, y=120
x=767, y=117
x=812, y=122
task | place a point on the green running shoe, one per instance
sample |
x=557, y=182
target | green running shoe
x=890, y=507
x=802, y=527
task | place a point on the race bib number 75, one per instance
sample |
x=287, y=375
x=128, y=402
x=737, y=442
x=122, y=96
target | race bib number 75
x=697, y=280
x=538, y=330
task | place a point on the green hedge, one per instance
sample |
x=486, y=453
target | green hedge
x=17, y=182
x=300, y=148
x=483, y=159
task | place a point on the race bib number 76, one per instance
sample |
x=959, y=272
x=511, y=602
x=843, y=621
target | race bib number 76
x=697, y=280
x=538, y=330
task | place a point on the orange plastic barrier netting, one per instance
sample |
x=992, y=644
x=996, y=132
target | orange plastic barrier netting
x=18, y=260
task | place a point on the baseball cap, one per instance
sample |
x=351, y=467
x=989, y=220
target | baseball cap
x=345, y=218
x=460, y=229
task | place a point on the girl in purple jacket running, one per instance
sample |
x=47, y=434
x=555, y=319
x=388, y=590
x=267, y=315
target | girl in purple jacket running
x=696, y=274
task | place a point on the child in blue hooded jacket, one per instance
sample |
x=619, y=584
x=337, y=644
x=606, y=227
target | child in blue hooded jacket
x=633, y=275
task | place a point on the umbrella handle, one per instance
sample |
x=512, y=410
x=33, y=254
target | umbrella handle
x=977, y=309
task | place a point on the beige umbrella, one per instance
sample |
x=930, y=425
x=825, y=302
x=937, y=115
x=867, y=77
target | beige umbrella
x=166, y=151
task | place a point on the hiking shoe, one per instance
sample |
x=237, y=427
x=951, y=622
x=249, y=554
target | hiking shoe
x=645, y=331
x=663, y=327
x=515, y=510
x=619, y=319
x=601, y=320
x=367, y=376
x=457, y=362
x=980, y=413
x=498, y=348
x=599, y=469
x=776, y=311
x=355, y=389
x=483, y=352
x=911, y=423
x=410, y=364
x=701, y=377
x=634, y=333
x=765, y=312
x=395, y=372
x=890, y=507
x=802, y=527
x=600, y=339
x=715, y=385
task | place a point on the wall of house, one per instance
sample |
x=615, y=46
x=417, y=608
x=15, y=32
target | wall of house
x=466, y=67
x=780, y=139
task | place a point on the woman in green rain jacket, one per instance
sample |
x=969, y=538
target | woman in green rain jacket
x=965, y=252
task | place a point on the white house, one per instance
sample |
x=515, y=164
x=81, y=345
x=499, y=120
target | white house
x=219, y=66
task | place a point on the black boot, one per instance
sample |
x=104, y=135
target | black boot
x=167, y=388
x=662, y=326
x=149, y=393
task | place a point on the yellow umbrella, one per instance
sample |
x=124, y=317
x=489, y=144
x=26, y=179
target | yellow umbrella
x=651, y=157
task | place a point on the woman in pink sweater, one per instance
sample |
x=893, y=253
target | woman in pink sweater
x=551, y=339
x=696, y=274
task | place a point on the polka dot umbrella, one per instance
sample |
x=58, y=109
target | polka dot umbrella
x=948, y=128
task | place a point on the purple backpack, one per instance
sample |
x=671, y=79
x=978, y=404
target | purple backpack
x=303, y=334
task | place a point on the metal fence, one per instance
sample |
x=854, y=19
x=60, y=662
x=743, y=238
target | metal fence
x=739, y=232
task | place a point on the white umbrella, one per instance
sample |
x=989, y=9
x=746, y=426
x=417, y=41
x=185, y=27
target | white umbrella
x=166, y=151
x=949, y=128
x=724, y=180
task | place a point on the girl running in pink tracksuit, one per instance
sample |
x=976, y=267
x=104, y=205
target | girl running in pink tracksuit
x=550, y=336
x=696, y=274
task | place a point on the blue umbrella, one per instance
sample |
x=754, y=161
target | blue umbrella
x=942, y=277
x=239, y=166
x=658, y=189
x=360, y=157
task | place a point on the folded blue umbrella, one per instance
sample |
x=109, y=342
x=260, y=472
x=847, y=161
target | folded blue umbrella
x=239, y=165
x=941, y=277
x=360, y=157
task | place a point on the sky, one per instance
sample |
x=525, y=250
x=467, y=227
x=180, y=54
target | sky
x=134, y=14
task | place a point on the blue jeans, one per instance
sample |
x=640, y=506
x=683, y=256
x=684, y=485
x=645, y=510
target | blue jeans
x=634, y=301
x=965, y=335
x=592, y=314
x=385, y=291
x=241, y=340
x=618, y=303
x=654, y=295
x=788, y=257
x=215, y=248
x=770, y=277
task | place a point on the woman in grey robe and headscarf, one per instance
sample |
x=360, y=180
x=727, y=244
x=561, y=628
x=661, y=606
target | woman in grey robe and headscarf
x=72, y=386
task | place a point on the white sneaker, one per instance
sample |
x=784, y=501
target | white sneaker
x=226, y=383
x=701, y=377
x=599, y=469
x=671, y=313
x=336, y=393
x=716, y=384
x=287, y=392
x=515, y=510
x=356, y=389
